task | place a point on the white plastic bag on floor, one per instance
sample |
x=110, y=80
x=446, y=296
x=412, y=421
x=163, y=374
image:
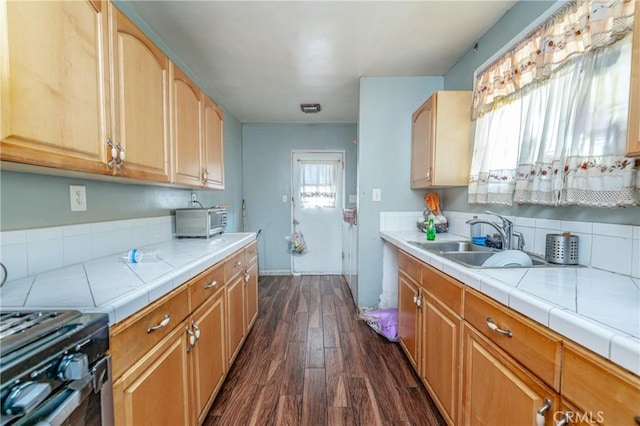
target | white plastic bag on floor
x=383, y=321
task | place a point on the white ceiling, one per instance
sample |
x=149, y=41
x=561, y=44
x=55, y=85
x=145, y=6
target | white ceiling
x=262, y=59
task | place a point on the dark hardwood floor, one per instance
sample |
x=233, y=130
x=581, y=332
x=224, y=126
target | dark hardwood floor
x=309, y=360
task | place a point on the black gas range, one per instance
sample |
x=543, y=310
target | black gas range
x=54, y=368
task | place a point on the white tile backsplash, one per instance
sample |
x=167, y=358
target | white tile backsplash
x=610, y=247
x=34, y=251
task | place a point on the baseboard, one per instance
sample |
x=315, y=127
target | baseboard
x=275, y=272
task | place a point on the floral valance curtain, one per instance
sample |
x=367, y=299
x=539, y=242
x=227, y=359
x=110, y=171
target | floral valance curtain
x=318, y=183
x=576, y=28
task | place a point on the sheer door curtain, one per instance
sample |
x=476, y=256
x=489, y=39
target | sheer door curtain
x=318, y=186
x=560, y=139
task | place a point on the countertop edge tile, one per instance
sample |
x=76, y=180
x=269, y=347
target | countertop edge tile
x=530, y=306
x=624, y=352
x=596, y=337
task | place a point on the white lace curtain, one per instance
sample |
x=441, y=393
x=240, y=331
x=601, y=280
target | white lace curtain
x=561, y=140
x=318, y=186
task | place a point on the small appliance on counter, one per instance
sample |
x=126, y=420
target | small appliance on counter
x=200, y=223
x=562, y=249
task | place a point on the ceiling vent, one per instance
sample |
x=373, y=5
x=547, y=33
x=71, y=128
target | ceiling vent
x=310, y=108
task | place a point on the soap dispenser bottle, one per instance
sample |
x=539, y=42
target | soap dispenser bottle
x=431, y=229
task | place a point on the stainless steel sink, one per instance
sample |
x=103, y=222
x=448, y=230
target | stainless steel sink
x=452, y=246
x=473, y=256
x=477, y=259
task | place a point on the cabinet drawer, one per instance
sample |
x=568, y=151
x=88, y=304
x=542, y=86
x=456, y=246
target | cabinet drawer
x=206, y=284
x=409, y=265
x=233, y=264
x=251, y=252
x=132, y=338
x=533, y=346
x=445, y=288
x=598, y=387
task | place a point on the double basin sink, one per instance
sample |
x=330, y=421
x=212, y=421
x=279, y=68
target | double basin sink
x=475, y=256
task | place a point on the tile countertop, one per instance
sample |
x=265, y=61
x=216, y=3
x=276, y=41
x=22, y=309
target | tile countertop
x=597, y=309
x=109, y=285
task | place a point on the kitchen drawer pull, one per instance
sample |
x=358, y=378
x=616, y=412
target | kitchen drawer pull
x=162, y=324
x=238, y=263
x=492, y=325
x=212, y=285
x=247, y=276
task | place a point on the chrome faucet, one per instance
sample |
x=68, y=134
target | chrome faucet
x=505, y=231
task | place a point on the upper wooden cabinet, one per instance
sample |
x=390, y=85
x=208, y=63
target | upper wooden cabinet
x=186, y=103
x=140, y=102
x=197, y=135
x=54, y=76
x=441, y=141
x=213, y=145
x=633, y=124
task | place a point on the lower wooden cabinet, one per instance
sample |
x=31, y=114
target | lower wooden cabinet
x=156, y=389
x=408, y=310
x=442, y=330
x=498, y=391
x=250, y=295
x=234, y=294
x=209, y=360
x=601, y=391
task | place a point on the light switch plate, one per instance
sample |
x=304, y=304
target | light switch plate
x=78, y=198
x=353, y=198
x=285, y=198
x=377, y=194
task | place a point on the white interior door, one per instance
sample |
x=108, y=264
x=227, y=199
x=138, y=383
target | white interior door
x=318, y=188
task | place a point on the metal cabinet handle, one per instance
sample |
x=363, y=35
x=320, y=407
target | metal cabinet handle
x=114, y=154
x=540, y=420
x=121, y=160
x=415, y=299
x=429, y=174
x=492, y=325
x=212, y=285
x=196, y=329
x=238, y=263
x=192, y=339
x=247, y=276
x=163, y=323
x=564, y=420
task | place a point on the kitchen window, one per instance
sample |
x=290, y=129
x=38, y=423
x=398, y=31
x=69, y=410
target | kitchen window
x=551, y=114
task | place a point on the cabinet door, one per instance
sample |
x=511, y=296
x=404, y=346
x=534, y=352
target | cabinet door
x=213, y=145
x=235, y=315
x=187, y=104
x=140, y=101
x=422, y=139
x=156, y=389
x=408, y=291
x=633, y=136
x=209, y=357
x=441, y=355
x=53, y=68
x=497, y=391
x=251, y=295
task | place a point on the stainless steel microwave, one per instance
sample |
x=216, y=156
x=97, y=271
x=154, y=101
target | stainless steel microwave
x=200, y=223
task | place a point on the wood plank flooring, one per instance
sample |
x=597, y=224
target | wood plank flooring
x=309, y=360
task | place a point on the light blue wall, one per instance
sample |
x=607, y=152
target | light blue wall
x=34, y=201
x=460, y=77
x=384, y=161
x=267, y=177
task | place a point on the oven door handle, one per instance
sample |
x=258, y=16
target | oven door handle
x=76, y=393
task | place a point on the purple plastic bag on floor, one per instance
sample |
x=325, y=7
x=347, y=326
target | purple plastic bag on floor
x=383, y=321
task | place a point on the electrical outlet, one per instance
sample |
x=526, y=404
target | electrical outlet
x=78, y=198
x=285, y=198
x=194, y=197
